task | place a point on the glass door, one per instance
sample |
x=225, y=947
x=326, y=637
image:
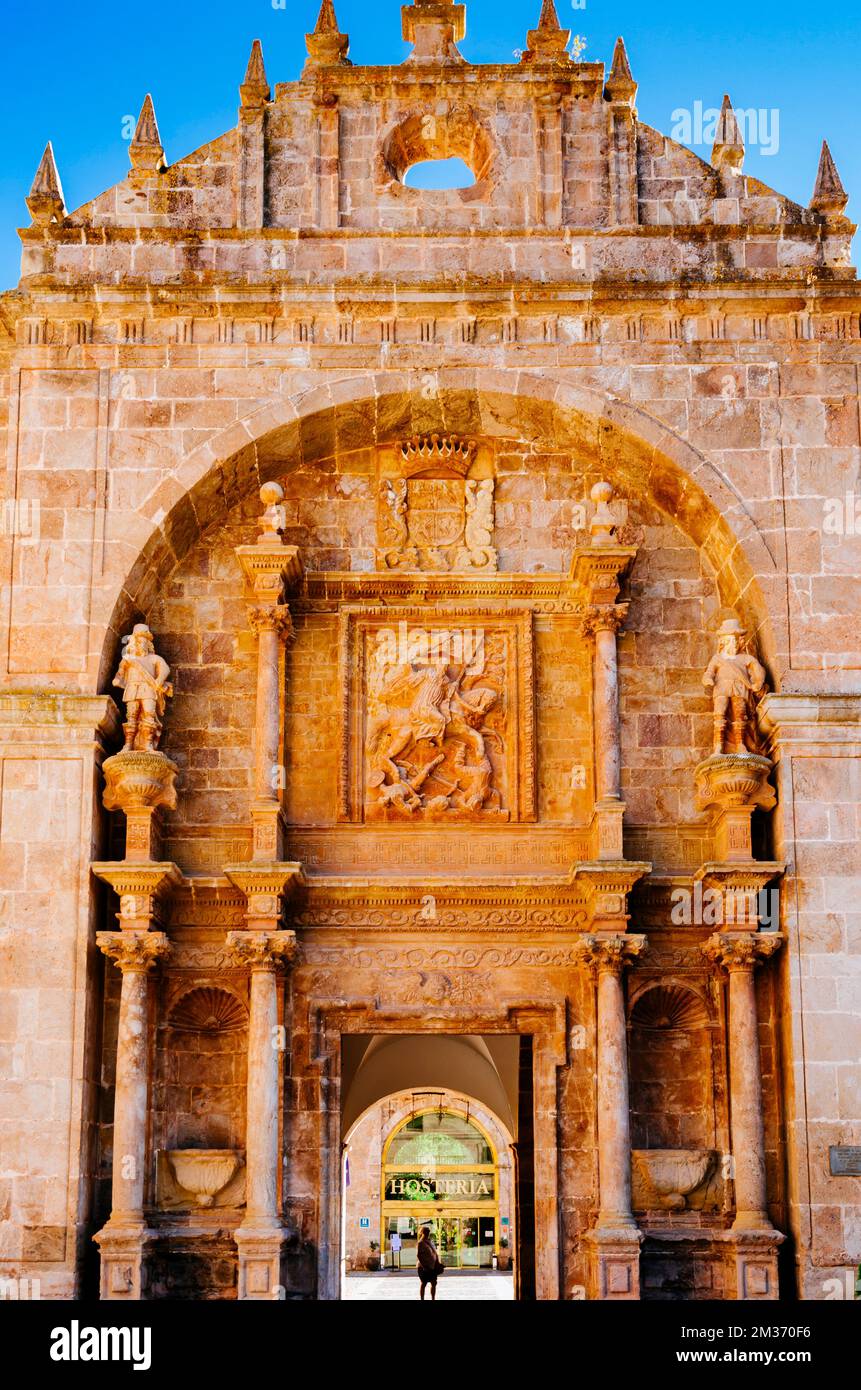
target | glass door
x=448, y=1240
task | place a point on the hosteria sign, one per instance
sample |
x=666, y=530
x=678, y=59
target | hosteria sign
x=412, y=1187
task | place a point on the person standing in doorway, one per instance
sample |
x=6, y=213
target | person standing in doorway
x=428, y=1263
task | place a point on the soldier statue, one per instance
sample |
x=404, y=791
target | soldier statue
x=736, y=679
x=142, y=676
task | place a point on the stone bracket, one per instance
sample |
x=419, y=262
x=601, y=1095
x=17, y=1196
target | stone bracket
x=141, y=889
x=607, y=884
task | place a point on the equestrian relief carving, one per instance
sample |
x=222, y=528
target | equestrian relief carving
x=436, y=729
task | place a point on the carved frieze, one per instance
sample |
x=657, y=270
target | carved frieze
x=443, y=958
x=438, y=718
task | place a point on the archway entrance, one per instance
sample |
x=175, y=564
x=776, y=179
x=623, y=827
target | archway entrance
x=440, y=1170
x=440, y=1153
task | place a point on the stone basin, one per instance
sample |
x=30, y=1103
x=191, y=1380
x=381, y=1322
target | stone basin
x=673, y=1174
x=204, y=1172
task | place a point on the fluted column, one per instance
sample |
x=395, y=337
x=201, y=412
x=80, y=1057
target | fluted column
x=124, y=1240
x=615, y=1238
x=261, y=1236
x=739, y=954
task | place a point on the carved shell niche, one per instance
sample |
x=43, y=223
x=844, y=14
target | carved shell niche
x=208, y=1010
x=670, y=1006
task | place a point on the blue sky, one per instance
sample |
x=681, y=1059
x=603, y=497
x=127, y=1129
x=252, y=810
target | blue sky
x=76, y=72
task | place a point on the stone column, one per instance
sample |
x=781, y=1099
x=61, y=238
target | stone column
x=269, y=566
x=603, y=622
x=756, y=1240
x=124, y=1242
x=273, y=625
x=260, y=1239
x=615, y=1239
x=597, y=571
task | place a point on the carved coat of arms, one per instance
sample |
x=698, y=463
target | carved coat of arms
x=433, y=517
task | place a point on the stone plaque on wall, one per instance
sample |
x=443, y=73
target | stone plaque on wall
x=845, y=1160
x=437, y=718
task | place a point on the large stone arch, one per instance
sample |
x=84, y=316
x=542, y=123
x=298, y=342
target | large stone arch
x=640, y=454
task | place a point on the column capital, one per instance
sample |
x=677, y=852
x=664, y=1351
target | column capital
x=271, y=617
x=741, y=950
x=133, y=951
x=262, y=950
x=613, y=953
x=603, y=617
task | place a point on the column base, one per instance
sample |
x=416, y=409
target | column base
x=261, y=1255
x=752, y=1271
x=124, y=1251
x=614, y=1262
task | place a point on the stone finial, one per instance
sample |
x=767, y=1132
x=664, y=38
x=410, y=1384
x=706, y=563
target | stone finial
x=829, y=195
x=142, y=676
x=728, y=149
x=736, y=680
x=254, y=91
x=45, y=199
x=274, y=519
x=327, y=45
x=602, y=527
x=434, y=28
x=549, y=41
x=620, y=84
x=146, y=151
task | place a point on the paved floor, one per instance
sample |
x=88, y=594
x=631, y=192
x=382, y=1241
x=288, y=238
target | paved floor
x=452, y=1287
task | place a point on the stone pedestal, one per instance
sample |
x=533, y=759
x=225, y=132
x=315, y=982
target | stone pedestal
x=732, y=786
x=140, y=783
x=125, y=1240
x=614, y=1242
x=753, y=1264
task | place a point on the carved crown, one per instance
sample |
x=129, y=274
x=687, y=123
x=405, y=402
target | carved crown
x=448, y=452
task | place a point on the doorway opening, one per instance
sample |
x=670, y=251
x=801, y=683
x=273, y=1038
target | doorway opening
x=430, y=1138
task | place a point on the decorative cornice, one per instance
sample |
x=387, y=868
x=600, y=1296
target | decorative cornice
x=96, y=713
x=148, y=879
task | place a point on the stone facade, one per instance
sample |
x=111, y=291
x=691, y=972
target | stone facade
x=437, y=506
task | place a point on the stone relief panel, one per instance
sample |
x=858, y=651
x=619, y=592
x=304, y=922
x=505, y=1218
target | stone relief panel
x=438, y=718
